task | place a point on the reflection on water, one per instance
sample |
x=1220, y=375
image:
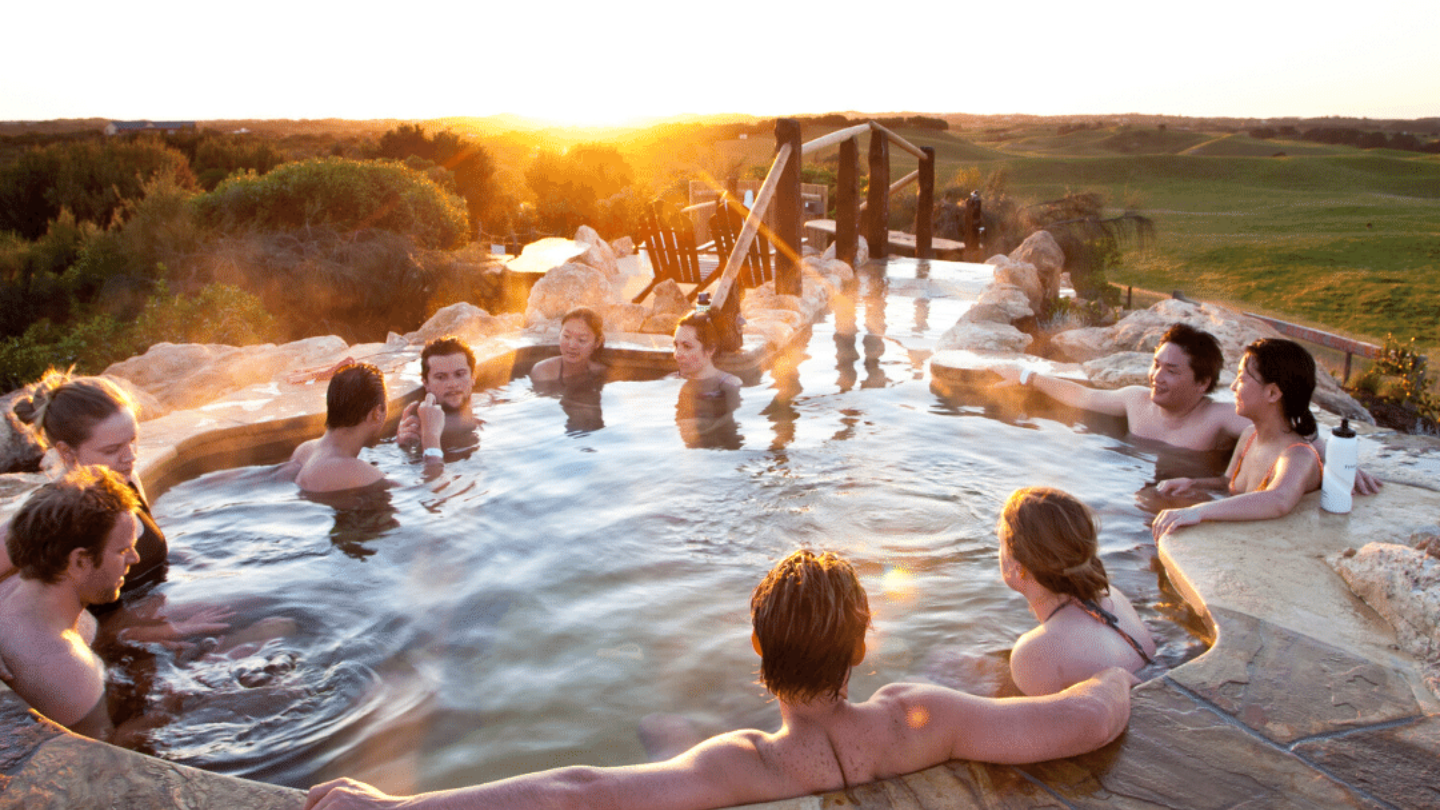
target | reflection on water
x=525, y=607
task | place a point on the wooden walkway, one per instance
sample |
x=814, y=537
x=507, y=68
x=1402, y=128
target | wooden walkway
x=822, y=231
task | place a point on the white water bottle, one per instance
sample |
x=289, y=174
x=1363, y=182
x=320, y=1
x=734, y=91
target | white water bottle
x=1341, y=455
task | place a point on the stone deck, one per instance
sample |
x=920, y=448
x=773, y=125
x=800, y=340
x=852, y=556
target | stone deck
x=1303, y=701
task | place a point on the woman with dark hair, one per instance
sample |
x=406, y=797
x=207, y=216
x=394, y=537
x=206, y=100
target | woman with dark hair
x=1273, y=465
x=1049, y=554
x=708, y=393
x=582, y=350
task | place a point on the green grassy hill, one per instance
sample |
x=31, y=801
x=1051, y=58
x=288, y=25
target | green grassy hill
x=1340, y=238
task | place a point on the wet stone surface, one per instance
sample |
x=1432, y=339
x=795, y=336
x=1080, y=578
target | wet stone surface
x=1287, y=686
x=1399, y=764
x=1180, y=753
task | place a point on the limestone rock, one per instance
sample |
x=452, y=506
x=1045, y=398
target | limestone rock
x=598, y=253
x=790, y=318
x=669, y=299
x=1042, y=252
x=1119, y=370
x=984, y=337
x=565, y=287
x=624, y=246
x=1084, y=344
x=163, y=364
x=668, y=306
x=765, y=297
x=1000, y=303
x=1402, y=584
x=215, y=371
x=862, y=251
x=625, y=317
x=19, y=451
x=1024, y=277
x=463, y=320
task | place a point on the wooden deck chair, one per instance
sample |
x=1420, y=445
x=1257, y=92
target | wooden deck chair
x=725, y=226
x=669, y=240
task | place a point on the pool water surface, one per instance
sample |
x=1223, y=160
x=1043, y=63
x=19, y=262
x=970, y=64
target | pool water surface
x=530, y=605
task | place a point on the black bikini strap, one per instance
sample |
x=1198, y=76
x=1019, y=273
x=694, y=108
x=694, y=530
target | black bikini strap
x=1101, y=614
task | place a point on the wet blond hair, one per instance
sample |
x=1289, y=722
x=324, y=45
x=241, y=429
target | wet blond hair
x=65, y=408
x=1056, y=538
x=809, y=614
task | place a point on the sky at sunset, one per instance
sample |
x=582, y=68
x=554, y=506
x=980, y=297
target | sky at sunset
x=605, y=63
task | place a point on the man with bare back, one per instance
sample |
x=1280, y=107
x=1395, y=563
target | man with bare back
x=355, y=408
x=809, y=617
x=72, y=543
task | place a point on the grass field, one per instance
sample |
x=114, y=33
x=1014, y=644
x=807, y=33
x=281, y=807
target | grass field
x=1330, y=236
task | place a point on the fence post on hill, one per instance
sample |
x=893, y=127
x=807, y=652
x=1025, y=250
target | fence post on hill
x=925, y=205
x=847, y=202
x=877, y=201
x=789, y=210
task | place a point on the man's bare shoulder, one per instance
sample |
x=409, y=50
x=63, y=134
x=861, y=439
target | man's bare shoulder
x=336, y=474
x=59, y=676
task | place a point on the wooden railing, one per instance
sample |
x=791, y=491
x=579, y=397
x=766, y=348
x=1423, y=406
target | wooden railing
x=782, y=189
x=1329, y=340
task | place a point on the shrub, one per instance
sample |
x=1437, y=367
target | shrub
x=92, y=179
x=346, y=195
x=90, y=344
x=218, y=313
x=569, y=189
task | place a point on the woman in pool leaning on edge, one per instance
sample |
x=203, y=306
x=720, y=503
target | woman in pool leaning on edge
x=1273, y=465
x=1049, y=551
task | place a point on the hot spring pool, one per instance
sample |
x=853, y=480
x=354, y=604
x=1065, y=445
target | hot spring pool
x=528, y=607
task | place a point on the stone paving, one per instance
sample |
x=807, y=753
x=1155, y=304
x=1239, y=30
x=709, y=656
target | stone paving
x=1304, y=700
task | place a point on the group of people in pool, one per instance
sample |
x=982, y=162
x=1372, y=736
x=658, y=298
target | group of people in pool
x=70, y=550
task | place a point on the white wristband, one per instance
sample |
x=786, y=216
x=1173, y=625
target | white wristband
x=435, y=453
x=1025, y=375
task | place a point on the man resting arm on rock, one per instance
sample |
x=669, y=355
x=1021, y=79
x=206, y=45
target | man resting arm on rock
x=809, y=617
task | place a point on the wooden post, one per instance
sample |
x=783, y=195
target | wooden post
x=925, y=206
x=847, y=202
x=877, y=229
x=789, y=211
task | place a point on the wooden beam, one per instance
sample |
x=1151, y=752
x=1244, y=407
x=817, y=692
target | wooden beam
x=847, y=199
x=751, y=227
x=877, y=218
x=838, y=136
x=899, y=141
x=925, y=205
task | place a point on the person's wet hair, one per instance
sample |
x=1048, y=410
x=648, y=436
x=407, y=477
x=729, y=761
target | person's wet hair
x=1201, y=347
x=1056, y=538
x=77, y=511
x=1286, y=364
x=705, y=330
x=66, y=409
x=355, y=391
x=444, y=347
x=809, y=613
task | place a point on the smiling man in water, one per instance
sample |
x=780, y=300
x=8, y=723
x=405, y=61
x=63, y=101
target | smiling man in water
x=72, y=542
x=1176, y=408
x=809, y=616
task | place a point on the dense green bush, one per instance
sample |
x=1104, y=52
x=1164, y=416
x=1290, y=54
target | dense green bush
x=92, y=179
x=468, y=166
x=346, y=195
x=216, y=314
